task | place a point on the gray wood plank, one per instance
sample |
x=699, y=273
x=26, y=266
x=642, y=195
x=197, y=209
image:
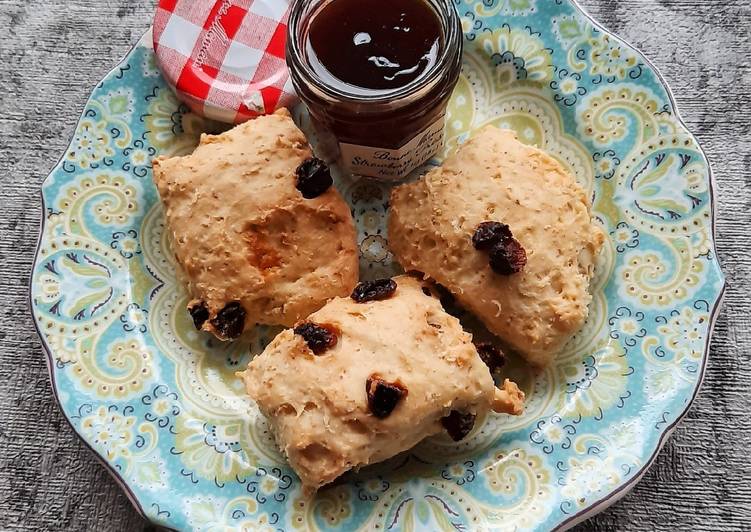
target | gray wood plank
x=53, y=53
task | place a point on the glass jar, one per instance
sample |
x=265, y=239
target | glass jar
x=383, y=134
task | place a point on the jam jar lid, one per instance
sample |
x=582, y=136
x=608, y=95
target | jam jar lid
x=225, y=59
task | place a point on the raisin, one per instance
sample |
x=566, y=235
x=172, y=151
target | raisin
x=508, y=257
x=458, y=424
x=200, y=313
x=491, y=355
x=374, y=290
x=383, y=396
x=489, y=234
x=318, y=337
x=446, y=298
x=230, y=321
x=313, y=178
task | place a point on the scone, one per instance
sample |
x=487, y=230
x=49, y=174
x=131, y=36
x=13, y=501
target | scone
x=506, y=229
x=369, y=376
x=259, y=232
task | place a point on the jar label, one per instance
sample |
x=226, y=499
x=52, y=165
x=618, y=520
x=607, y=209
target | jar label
x=393, y=164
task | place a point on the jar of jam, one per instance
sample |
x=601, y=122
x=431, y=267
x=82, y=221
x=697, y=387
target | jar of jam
x=376, y=75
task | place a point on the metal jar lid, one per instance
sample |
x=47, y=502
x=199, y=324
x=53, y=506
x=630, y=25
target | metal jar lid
x=225, y=59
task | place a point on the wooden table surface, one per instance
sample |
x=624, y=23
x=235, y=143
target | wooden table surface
x=53, y=52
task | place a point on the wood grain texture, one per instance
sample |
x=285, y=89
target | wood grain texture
x=53, y=53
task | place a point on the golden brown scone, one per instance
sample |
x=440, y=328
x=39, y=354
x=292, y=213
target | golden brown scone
x=245, y=237
x=318, y=404
x=494, y=177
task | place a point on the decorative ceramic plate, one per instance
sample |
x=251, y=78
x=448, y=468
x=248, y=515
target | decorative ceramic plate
x=160, y=404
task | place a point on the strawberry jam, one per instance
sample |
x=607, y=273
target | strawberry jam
x=373, y=47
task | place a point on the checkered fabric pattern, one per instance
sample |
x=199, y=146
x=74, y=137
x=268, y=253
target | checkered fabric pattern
x=225, y=59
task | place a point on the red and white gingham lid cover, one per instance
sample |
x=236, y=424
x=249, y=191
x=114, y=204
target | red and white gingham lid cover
x=225, y=58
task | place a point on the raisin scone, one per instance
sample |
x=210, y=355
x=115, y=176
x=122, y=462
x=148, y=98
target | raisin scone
x=508, y=231
x=369, y=376
x=260, y=234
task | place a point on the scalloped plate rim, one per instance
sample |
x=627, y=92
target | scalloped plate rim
x=623, y=490
x=49, y=359
x=582, y=515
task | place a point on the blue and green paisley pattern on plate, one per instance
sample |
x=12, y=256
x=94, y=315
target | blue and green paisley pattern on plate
x=161, y=404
